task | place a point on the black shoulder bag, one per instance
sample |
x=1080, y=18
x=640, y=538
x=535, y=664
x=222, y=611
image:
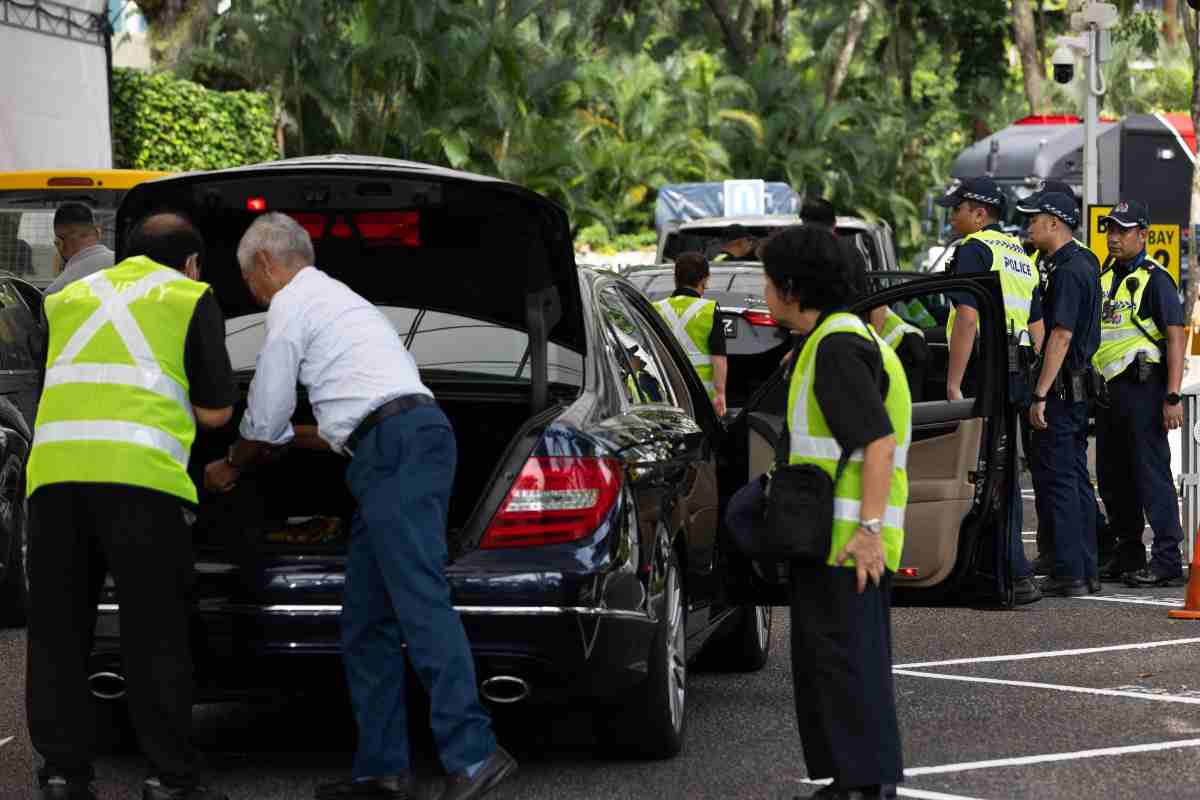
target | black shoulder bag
x=797, y=515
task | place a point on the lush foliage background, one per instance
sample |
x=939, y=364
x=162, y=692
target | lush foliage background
x=163, y=122
x=598, y=102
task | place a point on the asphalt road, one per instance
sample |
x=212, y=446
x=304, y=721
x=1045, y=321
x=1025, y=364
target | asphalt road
x=1010, y=715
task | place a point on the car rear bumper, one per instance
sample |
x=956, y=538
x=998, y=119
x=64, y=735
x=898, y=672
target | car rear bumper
x=559, y=651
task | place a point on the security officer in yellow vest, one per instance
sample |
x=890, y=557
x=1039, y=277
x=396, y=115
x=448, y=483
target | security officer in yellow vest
x=696, y=324
x=1142, y=342
x=136, y=361
x=847, y=392
x=1044, y=563
x=1059, y=413
x=977, y=208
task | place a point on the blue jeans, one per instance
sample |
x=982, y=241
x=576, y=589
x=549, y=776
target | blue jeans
x=1064, y=489
x=396, y=593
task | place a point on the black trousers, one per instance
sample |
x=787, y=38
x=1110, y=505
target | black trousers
x=77, y=533
x=1133, y=463
x=842, y=676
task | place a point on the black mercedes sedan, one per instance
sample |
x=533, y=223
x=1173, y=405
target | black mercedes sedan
x=583, y=524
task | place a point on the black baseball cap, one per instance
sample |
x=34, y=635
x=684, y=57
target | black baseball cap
x=1030, y=204
x=1060, y=205
x=981, y=190
x=1128, y=214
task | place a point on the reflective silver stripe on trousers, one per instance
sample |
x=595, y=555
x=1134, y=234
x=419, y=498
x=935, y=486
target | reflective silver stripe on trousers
x=111, y=431
x=158, y=382
x=1117, y=367
x=850, y=511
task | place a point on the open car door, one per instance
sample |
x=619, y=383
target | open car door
x=960, y=467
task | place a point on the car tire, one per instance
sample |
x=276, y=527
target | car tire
x=747, y=647
x=650, y=722
x=14, y=586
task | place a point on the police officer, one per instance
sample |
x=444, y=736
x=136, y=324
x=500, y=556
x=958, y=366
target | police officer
x=693, y=320
x=1044, y=563
x=1059, y=413
x=977, y=206
x=136, y=361
x=909, y=343
x=1141, y=359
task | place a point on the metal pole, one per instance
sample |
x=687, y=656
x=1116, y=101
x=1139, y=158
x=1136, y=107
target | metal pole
x=1091, y=113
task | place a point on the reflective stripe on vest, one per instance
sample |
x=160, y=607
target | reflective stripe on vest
x=1120, y=339
x=116, y=405
x=691, y=320
x=1018, y=278
x=895, y=329
x=812, y=442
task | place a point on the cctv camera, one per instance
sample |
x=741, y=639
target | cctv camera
x=1064, y=65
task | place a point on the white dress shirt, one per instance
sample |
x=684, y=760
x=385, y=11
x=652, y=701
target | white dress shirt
x=340, y=347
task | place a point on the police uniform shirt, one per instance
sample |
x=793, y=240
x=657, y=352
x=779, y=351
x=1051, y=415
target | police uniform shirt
x=1073, y=301
x=716, y=339
x=974, y=257
x=1160, y=302
x=850, y=384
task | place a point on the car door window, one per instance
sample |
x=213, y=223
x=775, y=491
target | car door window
x=17, y=329
x=666, y=361
x=641, y=372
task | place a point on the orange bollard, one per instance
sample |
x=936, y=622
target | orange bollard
x=1191, y=606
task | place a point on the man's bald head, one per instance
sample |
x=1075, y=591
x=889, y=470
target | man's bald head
x=167, y=238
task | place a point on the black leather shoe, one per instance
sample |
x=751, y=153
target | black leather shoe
x=58, y=788
x=1025, y=591
x=1043, y=564
x=152, y=789
x=1148, y=579
x=1114, y=569
x=393, y=787
x=1064, y=587
x=498, y=766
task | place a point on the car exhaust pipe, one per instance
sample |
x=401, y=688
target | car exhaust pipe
x=505, y=689
x=107, y=685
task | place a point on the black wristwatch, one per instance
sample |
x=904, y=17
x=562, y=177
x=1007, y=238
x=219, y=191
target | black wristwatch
x=1173, y=399
x=1039, y=398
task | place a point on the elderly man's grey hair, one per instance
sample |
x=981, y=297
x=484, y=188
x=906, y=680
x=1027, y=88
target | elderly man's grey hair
x=279, y=235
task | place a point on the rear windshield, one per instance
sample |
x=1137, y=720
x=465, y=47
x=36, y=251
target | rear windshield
x=709, y=240
x=445, y=346
x=27, y=228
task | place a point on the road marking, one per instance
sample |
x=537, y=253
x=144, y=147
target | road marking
x=1193, y=701
x=1051, y=653
x=6, y=741
x=1138, y=601
x=920, y=794
x=1052, y=757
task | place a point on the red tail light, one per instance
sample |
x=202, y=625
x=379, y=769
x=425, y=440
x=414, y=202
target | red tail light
x=760, y=318
x=314, y=224
x=555, y=500
x=908, y=572
x=256, y=204
x=393, y=227
x=71, y=181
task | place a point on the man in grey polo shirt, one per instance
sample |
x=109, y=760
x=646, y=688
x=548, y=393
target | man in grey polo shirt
x=77, y=239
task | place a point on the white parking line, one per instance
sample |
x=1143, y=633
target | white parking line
x=1051, y=757
x=6, y=741
x=1050, y=653
x=1160, y=698
x=903, y=791
x=1137, y=601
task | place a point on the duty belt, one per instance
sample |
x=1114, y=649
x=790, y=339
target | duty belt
x=389, y=409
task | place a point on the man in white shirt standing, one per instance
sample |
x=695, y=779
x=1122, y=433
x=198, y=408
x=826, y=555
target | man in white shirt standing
x=370, y=405
x=77, y=239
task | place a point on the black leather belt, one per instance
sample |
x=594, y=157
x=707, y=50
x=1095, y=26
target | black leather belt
x=389, y=409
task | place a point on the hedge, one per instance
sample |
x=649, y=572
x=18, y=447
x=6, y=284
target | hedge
x=162, y=122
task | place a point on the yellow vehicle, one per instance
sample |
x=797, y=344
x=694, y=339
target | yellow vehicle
x=27, y=203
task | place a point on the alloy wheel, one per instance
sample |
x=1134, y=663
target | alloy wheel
x=676, y=650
